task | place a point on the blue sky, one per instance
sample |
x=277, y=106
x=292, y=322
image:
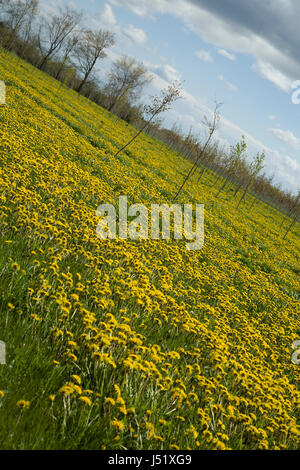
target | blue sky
x=243, y=53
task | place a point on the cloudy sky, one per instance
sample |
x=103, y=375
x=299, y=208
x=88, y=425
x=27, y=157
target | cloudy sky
x=244, y=53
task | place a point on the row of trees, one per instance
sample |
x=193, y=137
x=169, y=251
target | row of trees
x=233, y=169
x=62, y=47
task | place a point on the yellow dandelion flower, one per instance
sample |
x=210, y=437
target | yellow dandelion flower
x=110, y=400
x=117, y=424
x=76, y=378
x=86, y=400
x=23, y=404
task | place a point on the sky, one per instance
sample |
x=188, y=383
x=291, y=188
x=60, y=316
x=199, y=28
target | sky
x=243, y=53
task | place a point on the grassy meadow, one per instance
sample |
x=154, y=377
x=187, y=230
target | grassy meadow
x=123, y=344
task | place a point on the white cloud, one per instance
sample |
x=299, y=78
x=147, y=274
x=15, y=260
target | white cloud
x=272, y=117
x=274, y=75
x=266, y=30
x=291, y=163
x=287, y=170
x=204, y=55
x=143, y=8
x=228, y=85
x=231, y=86
x=226, y=54
x=286, y=136
x=166, y=72
x=135, y=34
x=107, y=16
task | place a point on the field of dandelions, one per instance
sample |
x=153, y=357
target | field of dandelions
x=133, y=344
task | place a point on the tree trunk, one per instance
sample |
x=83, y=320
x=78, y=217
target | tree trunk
x=243, y=196
x=201, y=174
x=290, y=227
x=223, y=186
x=193, y=167
x=133, y=138
x=86, y=76
x=44, y=60
x=82, y=83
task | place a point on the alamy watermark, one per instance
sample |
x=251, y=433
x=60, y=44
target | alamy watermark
x=296, y=93
x=2, y=92
x=2, y=352
x=154, y=223
x=296, y=353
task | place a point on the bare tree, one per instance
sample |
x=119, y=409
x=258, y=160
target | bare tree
x=33, y=8
x=212, y=126
x=296, y=208
x=28, y=27
x=190, y=145
x=89, y=49
x=125, y=80
x=67, y=50
x=56, y=30
x=255, y=168
x=159, y=104
x=19, y=14
x=209, y=157
x=236, y=155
